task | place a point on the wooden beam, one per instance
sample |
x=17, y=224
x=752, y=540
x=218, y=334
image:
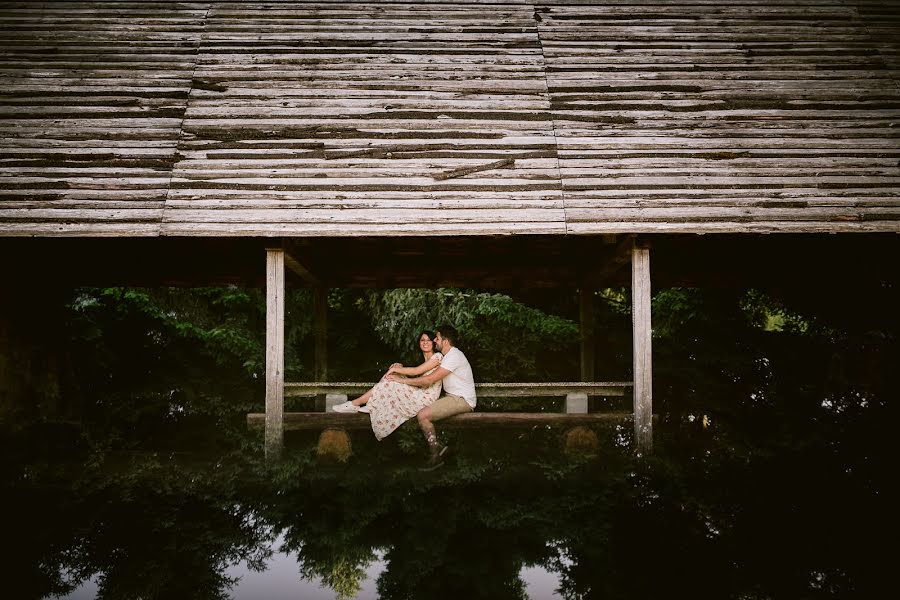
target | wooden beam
x=320, y=309
x=620, y=257
x=300, y=270
x=463, y=171
x=321, y=420
x=484, y=390
x=586, y=320
x=274, y=419
x=640, y=307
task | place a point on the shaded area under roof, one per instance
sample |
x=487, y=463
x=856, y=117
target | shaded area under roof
x=517, y=264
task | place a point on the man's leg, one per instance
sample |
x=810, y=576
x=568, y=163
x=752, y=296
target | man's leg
x=427, y=427
x=445, y=406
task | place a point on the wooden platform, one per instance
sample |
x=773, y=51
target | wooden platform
x=320, y=420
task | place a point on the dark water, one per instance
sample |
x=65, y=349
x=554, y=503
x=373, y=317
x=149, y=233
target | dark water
x=195, y=511
x=127, y=470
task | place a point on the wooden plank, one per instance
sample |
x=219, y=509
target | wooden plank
x=586, y=323
x=321, y=420
x=643, y=389
x=487, y=390
x=320, y=327
x=301, y=217
x=309, y=389
x=747, y=212
x=300, y=270
x=67, y=229
x=316, y=200
x=274, y=416
x=320, y=308
x=349, y=228
x=760, y=226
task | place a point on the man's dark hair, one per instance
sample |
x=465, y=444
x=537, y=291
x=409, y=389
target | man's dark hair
x=448, y=332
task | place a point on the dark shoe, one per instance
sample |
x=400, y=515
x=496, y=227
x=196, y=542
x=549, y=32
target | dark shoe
x=436, y=461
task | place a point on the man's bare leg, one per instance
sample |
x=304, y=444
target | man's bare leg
x=427, y=427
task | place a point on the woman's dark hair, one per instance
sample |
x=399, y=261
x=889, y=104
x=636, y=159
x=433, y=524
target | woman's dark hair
x=430, y=335
x=448, y=332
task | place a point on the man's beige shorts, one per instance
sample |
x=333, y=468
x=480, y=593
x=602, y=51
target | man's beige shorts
x=447, y=406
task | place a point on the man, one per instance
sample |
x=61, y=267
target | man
x=459, y=390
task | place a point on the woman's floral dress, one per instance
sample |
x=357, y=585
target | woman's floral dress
x=393, y=403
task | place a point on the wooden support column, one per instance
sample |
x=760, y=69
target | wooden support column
x=640, y=312
x=320, y=326
x=586, y=321
x=274, y=351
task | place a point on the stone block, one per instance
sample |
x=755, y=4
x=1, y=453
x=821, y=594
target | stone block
x=577, y=403
x=332, y=400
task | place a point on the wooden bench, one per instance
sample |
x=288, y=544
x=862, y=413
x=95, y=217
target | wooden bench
x=575, y=413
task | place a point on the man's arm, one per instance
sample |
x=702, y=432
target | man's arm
x=415, y=371
x=425, y=381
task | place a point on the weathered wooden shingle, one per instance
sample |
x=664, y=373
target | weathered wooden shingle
x=725, y=116
x=283, y=118
x=91, y=104
x=368, y=119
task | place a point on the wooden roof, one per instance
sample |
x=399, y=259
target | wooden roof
x=308, y=119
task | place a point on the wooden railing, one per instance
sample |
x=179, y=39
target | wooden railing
x=486, y=390
x=575, y=413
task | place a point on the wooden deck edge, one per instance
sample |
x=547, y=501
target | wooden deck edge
x=321, y=420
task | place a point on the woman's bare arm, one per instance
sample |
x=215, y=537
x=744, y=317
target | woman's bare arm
x=416, y=371
x=425, y=381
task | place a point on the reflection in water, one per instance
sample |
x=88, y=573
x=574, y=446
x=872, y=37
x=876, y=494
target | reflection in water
x=772, y=457
x=540, y=583
x=86, y=591
x=513, y=516
x=279, y=581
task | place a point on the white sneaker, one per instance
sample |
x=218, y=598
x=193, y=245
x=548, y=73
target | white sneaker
x=364, y=409
x=345, y=407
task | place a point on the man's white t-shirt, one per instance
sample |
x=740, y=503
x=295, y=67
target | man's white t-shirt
x=460, y=381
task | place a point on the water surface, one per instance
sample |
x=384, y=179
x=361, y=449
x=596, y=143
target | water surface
x=515, y=514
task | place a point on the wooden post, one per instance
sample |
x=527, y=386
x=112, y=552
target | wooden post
x=274, y=351
x=586, y=320
x=640, y=312
x=320, y=309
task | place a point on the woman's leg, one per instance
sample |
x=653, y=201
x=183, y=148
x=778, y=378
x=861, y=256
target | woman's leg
x=363, y=399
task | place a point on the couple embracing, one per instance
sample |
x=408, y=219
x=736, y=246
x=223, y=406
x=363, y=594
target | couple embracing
x=406, y=392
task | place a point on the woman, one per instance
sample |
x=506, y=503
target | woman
x=431, y=360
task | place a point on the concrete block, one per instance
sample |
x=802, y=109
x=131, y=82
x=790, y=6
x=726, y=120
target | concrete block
x=576, y=402
x=332, y=400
